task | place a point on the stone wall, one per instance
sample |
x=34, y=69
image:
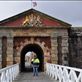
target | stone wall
x=75, y=47
x=63, y=33
x=68, y=56
x=52, y=33
x=9, y=58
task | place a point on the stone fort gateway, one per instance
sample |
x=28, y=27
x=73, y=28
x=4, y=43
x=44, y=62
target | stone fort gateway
x=53, y=40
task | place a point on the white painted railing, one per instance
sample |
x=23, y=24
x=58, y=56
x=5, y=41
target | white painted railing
x=64, y=73
x=8, y=74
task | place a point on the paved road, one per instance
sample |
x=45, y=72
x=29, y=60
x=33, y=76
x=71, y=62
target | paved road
x=28, y=77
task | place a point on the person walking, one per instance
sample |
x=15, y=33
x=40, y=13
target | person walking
x=35, y=64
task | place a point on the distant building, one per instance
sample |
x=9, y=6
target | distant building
x=53, y=40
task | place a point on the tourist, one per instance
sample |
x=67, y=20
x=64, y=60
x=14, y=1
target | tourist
x=35, y=64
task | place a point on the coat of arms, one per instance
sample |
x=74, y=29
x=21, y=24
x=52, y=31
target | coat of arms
x=32, y=20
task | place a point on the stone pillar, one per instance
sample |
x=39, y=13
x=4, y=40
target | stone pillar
x=65, y=51
x=54, y=58
x=70, y=51
x=59, y=48
x=78, y=46
x=0, y=52
x=9, y=51
x=17, y=57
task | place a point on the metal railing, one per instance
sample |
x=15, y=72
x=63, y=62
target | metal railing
x=64, y=73
x=8, y=74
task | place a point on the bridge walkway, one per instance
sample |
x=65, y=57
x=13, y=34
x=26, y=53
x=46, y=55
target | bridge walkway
x=28, y=77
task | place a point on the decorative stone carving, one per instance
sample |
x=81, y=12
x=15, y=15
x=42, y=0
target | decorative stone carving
x=32, y=20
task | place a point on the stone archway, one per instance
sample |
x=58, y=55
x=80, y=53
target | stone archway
x=37, y=44
x=39, y=52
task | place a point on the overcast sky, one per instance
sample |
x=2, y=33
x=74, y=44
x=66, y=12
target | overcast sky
x=68, y=11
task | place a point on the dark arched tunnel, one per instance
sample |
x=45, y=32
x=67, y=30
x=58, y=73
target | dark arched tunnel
x=36, y=49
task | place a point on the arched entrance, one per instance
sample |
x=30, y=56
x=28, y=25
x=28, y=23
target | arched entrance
x=35, y=48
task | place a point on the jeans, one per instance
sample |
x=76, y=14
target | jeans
x=35, y=70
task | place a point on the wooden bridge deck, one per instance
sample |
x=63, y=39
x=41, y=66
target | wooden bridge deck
x=28, y=77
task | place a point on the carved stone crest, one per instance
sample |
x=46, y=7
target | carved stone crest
x=32, y=20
